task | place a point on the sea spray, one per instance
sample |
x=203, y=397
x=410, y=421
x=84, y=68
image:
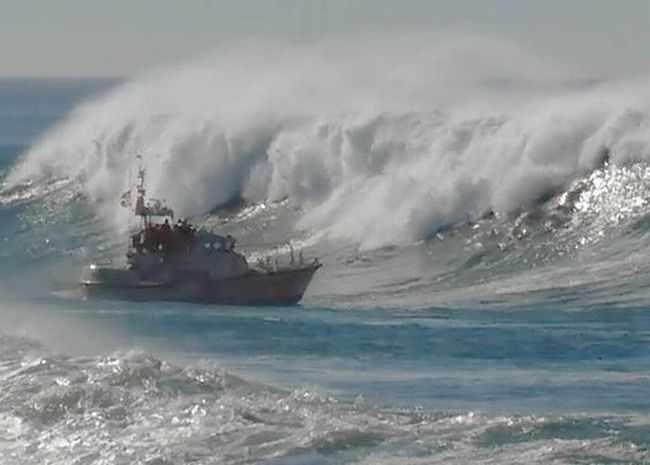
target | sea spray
x=374, y=148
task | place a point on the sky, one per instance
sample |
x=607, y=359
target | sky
x=117, y=38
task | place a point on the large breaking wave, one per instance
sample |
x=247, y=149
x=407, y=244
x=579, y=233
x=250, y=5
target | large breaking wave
x=375, y=148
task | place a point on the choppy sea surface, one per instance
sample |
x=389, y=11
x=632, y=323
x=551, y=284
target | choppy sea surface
x=484, y=297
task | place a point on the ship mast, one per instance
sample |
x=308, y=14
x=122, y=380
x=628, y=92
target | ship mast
x=145, y=210
x=141, y=209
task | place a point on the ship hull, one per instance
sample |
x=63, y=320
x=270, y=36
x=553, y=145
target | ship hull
x=282, y=287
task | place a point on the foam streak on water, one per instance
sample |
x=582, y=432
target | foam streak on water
x=133, y=408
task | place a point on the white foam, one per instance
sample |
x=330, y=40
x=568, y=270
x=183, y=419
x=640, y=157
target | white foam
x=137, y=408
x=377, y=144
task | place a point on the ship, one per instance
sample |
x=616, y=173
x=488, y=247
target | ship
x=168, y=261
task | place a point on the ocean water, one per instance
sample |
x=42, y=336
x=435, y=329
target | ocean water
x=484, y=295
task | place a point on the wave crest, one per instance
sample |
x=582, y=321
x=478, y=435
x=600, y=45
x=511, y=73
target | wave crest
x=376, y=150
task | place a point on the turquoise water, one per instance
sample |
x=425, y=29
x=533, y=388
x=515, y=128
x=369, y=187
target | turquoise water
x=512, y=339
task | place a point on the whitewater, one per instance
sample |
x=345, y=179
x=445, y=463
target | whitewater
x=482, y=217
